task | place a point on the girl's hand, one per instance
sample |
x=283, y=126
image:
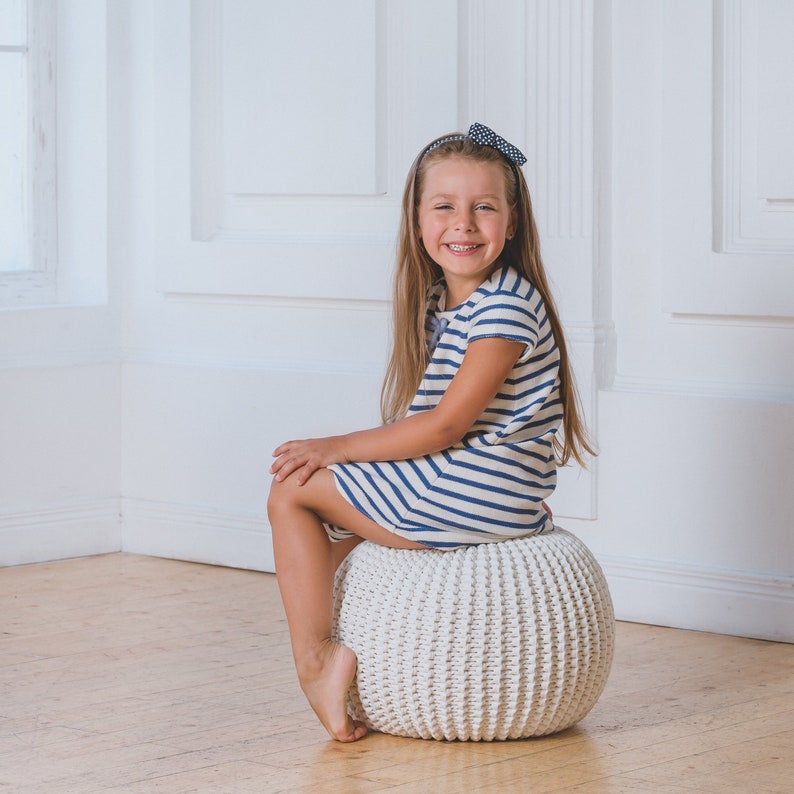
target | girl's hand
x=305, y=457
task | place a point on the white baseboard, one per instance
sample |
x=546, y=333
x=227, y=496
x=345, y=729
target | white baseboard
x=183, y=532
x=59, y=532
x=644, y=591
x=702, y=599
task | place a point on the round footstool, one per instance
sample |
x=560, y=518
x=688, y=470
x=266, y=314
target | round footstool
x=499, y=641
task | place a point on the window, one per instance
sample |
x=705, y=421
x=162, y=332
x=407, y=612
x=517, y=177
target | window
x=28, y=220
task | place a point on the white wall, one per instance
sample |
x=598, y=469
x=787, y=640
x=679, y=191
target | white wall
x=60, y=372
x=255, y=299
x=697, y=425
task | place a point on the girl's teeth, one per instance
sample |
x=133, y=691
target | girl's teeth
x=462, y=247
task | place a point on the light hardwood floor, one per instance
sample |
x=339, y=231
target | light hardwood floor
x=124, y=673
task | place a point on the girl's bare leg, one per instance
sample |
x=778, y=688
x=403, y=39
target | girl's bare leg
x=305, y=565
x=342, y=548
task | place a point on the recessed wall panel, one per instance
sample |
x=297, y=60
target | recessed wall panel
x=754, y=127
x=723, y=248
x=299, y=97
x=284, y=133
x=776, y=101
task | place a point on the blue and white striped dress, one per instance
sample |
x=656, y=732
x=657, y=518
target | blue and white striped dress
x=490, y=485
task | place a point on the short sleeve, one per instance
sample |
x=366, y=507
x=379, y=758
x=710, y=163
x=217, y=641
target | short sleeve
x=506, y=315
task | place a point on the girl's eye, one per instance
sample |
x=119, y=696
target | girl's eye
x=484, y=207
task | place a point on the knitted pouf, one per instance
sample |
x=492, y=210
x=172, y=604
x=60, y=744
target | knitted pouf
x=498, y=641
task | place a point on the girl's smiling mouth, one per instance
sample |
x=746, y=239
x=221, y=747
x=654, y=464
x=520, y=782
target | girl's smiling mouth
x=458, y=248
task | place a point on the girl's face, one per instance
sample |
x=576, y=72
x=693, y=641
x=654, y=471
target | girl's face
x=464, y=220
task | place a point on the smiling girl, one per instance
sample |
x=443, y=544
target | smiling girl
x=479, y=406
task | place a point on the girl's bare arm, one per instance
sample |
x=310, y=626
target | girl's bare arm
x=485, y=366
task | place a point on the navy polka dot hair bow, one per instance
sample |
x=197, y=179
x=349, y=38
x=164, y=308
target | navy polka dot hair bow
x=485, y=136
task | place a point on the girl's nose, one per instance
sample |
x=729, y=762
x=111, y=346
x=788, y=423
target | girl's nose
x=464, y=221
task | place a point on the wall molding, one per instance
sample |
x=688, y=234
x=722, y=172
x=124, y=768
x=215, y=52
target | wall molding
x=682, y=596
x=284, y=302
x=731, y=320
x=702, y=599
x=60, y=531
x=746, y=220
x=197, y=534
x=51, y=359
x=704, y=133
x=683, y=387
x=150, y=357
x=560, y=87
x=221, y=214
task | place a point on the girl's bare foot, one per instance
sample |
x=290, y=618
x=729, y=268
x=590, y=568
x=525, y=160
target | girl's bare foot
x=325, y=685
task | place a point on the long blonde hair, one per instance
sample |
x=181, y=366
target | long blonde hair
x=416, y=272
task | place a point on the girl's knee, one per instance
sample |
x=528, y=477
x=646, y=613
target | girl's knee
x=278, y=499
x=287, y=496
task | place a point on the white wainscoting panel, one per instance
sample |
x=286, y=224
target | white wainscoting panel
x=688, y=318
x=319, y=225
x=695, y=506
x=287, y=194
x=754, y=127
x=560, y=74
x=188, y=532
x=198, y=442
x=560, y=147
x=290, y=127
x=702, y=598
x=695, y=427
x=60, y=531
x=492, y=62
x=718, y=211
x=59, y=452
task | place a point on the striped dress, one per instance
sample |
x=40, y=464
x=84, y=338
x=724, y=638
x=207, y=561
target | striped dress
x=490, y=485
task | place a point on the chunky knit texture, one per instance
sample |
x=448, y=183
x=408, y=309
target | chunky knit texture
x=497, y=641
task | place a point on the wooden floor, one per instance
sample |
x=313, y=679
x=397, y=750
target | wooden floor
x=123, y=673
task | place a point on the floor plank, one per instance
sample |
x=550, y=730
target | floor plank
x=123, y=673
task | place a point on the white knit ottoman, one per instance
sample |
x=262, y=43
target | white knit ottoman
x=498, y=641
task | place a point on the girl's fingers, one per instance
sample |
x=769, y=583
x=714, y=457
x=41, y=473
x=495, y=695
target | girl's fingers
x=278, y=464
x=300, y=456
x=305, y=473
x=285, y=469
x=285, y=466
x=282, y=466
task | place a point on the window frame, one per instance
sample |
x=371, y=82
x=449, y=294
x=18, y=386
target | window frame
x=35, y=281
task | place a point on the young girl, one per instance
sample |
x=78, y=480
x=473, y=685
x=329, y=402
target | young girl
x=477, y=391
